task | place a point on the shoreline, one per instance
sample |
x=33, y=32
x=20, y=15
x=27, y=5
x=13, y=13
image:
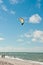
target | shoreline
x=18, y=61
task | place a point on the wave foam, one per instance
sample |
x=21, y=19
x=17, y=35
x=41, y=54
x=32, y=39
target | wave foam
x=12, y=57
x=19, y=59
x=37, y=62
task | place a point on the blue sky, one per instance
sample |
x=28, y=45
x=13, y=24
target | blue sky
x=14, y=36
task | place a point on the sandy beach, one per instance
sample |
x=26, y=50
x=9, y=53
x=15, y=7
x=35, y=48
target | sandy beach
x=9, y=61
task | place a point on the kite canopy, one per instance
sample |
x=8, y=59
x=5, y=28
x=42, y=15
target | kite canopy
x=21, y=20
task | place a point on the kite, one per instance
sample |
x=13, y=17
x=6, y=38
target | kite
x=21, y=20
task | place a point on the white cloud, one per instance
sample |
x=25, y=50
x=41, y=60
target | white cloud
x=15, y=1
x=21, y=49
x=34, y=40
x=38, y=4
x=37, y=35
x=35, y=18
x=6, y=49
x=20, y=40
x=12, y=49
x=1, y=1
x=12, y=12
x=36, y=49
x=27, y=35
x=4, y=8
x=1, y=39
x=34, y=36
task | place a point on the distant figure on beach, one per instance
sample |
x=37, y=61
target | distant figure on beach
x=3, y=55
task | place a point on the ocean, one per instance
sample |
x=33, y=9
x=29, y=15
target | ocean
x=25, y=55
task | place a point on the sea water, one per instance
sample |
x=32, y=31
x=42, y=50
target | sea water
x=24, y=55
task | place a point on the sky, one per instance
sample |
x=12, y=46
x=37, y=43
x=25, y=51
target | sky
x=15, y=37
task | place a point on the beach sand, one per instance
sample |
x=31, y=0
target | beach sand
x=9, y=61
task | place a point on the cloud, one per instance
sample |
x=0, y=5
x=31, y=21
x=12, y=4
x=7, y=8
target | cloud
x=38, y=4
x=6, y=49
x=4, y=8
x=27, y=35
x=15, y=1
x=20, y=40
x=1, y=39
x=12, y=49
x=21, y=49
x=1, y=1
x=32, y=36
x=35, y=36
x=34, y=40
x=12, y=12
x=38, y=35
x=35, y=19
